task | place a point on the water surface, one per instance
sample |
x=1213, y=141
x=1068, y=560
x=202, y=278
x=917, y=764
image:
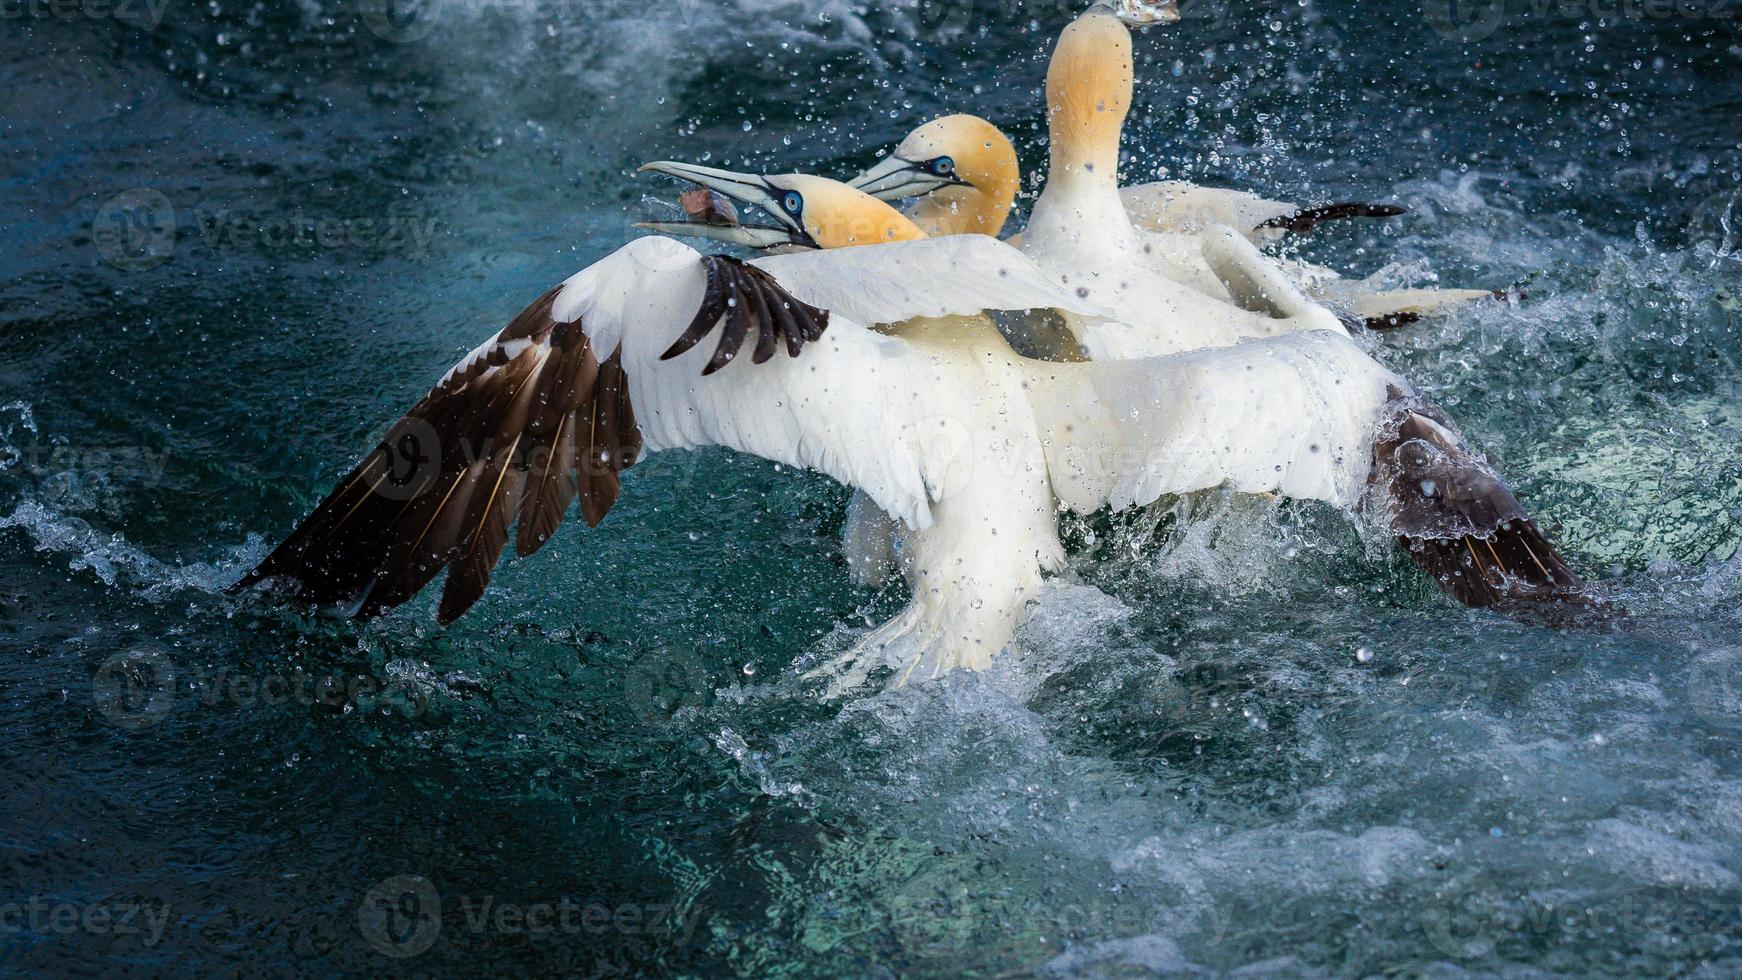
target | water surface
x=1238, y=738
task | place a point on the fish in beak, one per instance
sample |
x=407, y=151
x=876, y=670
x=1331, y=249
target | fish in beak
x=707, y=219
x=898, y=177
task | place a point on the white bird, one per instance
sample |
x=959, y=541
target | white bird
x=933, y=425
x=1080, y=232
x=968, y=445
x=1463, y=526
x=963, y=175
x=1307, y=414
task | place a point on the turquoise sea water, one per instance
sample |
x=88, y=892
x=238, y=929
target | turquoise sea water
x=1238, y=738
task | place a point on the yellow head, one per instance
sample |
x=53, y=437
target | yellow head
x=1088, y=93
x=984, y=165
x=837, y=216
x=962, y=169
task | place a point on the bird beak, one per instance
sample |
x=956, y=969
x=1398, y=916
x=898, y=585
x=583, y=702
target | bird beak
x=896, y=178
x=1140, y=14
x=747, y=189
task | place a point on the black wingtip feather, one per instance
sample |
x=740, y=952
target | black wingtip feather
x=1391, y=321
x=740, y=297
x=1305, y=219
x=504, y=441
x=486, y=456
x=1457, y=521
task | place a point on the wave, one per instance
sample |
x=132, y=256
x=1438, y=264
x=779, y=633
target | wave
x=117, y=563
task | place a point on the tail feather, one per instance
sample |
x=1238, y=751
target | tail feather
x=1306, y=219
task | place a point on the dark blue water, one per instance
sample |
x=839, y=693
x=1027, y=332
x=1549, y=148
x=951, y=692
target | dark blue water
x=1238, y=738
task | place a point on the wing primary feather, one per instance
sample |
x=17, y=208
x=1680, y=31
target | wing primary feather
x=530, y=423
x=608, y=447
x=780, y=307
x=550, y=485
x=1455, y=518
x=501, y=439
x=740, y=298
x=714, y=306
x=550, y=488
x=1391, y=321
x=739, y=318
x=488, y=519
x=762, y=309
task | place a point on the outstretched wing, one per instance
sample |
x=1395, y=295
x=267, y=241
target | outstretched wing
x=1176, y=205
x=555, y=406
x=954, y=275
x=1308, y=415
x=1291, y=414
x=528, y=421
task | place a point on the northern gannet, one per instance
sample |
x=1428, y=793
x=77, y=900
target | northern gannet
x=1306, y=414
x=1080, y=232
x=964, y=173
x=968, y=445
x=934, y=425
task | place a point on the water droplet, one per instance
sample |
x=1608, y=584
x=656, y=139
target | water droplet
x=1364, y=655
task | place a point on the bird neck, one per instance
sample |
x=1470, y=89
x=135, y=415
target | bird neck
x=957, y=210
x=1088, y=93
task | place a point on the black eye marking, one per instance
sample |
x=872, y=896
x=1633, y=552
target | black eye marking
x=793, y=202
x=943, y=166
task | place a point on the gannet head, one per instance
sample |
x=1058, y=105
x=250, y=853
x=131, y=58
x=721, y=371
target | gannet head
x=954, y=151
x=961, y=167
x=809, y=212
